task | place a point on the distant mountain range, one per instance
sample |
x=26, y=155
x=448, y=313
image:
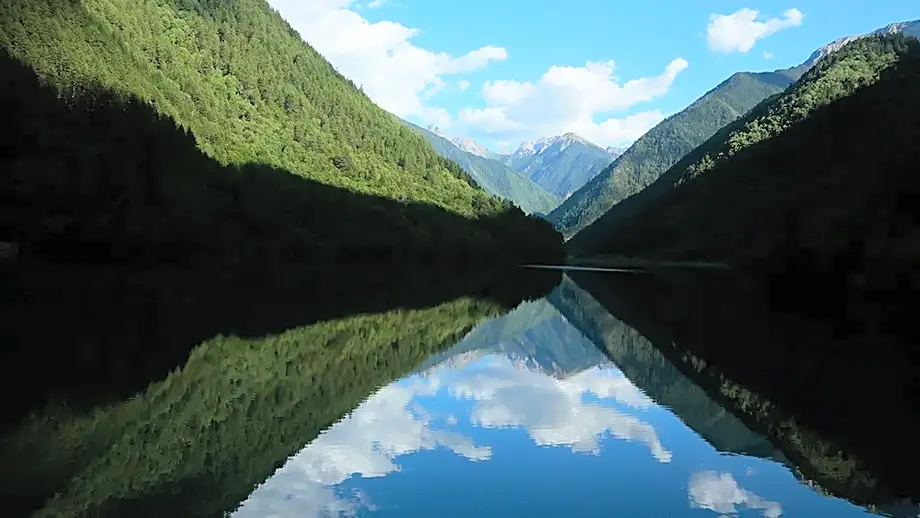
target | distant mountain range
x=537, y=176
x=560, y=164
x=665, y=144
x=493, y=176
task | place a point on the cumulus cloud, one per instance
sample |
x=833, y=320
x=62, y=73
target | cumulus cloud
x=380, y=57
x=463, y=85
x=570, y=99
x=739, y=31
x=720, y=492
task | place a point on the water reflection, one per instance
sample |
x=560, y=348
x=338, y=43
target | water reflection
x=527, y=416
x=720, y=492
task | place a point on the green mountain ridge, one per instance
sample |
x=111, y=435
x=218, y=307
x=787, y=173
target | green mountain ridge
x=184, y=127
x=663, y=146
x=493, y=176
x=792, y=175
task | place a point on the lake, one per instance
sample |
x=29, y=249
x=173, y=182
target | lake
x=403, y=394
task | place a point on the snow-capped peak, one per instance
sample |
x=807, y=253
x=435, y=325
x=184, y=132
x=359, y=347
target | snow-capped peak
x=436, y=130
x=471, y=146
x=556, y=144
x=615, y=151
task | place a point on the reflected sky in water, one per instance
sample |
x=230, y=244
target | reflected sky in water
x=531, y=424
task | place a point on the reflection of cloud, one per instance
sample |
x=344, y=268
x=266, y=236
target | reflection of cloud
x=394, y=422
x=366, y=443
x=721, y=493
x=553, y=410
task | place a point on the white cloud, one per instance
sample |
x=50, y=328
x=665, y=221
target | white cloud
x=722, y=494
x=739, y=31
x=568, y=99
x=380, y=57
x=463, y=85
x=373, y=4
x=767, y=55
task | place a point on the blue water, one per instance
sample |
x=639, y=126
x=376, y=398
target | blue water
x=536, y=424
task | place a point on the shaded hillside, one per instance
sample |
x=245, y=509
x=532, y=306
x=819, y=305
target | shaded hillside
x=560, y=164
x=495, y=177
x=839, y=413
x=94, y=163
x=663, y=146
x=654, y=374
x=261, y=367
x=818, y=182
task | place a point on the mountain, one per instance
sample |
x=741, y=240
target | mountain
x=560, y=164
x=182, y=127
x=662, y=146
x=471, y=146
x=818, y=181
x=615, y=151
x=495, y=177
x=911, y=28
x=676, y=136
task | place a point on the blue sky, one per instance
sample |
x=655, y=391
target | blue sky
x=506, y=71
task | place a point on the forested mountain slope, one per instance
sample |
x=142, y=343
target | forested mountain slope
x=495, y=177
x=821, y=178
x=95, y=160
x=663, y=146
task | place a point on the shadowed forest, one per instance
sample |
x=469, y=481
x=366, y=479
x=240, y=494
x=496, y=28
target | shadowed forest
x=89, y=175
x=809, y=386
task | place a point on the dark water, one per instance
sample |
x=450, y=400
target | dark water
x=206, y=393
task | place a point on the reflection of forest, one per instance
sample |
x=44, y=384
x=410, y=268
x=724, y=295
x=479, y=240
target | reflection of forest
x=793, y=382
x=251, y=369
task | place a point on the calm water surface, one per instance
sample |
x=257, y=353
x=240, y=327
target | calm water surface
x=526, y=416
x=205, y=393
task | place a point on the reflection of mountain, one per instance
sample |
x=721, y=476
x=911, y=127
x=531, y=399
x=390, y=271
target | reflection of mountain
x=656, y=375
x=717, y=335
x=535, y=334
x=255, y=388
x=398, y=420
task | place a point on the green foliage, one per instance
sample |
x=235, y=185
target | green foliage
x=663, y=146
x=820, y=179
x=494, y=176
x=99, y=162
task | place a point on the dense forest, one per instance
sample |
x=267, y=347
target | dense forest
x=178, y=390
x=820, y=181
x=168, y=128
x=494, y=176
x=664, y=145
